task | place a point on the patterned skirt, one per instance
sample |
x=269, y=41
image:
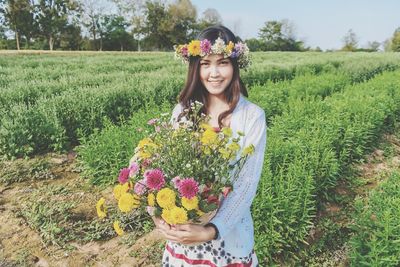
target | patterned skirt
x=208, y=254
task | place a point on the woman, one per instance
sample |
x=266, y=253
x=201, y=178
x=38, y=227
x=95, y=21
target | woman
x=213, y=79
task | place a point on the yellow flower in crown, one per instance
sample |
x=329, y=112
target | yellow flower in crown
x=229, y=48
x=128, y=201
x=190, y=203
x=194, y=48
x=101, y=208
x=209, y=137
x=166, y=198
x=178, y=215
x=117, y=228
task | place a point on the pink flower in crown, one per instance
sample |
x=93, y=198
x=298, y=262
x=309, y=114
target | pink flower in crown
x=140, y=187
x=188, y=188
x=154, y=179
x=133, y=169
x=205, y=46
x=123, y=175
x=176, y=181
x=184, y=51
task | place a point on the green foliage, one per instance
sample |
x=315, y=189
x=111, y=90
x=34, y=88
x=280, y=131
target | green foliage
x=104, y=153
x=377, y=227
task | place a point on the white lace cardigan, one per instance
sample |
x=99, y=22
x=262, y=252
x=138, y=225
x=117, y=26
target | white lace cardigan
x=233, y=219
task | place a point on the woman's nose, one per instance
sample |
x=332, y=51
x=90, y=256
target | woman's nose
x=214, y=71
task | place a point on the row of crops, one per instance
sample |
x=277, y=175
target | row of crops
x=324, y=112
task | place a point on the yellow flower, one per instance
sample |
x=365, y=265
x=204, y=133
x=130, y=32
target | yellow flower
x=199, y=212
x=101, y=208
x=190, y=204
x=144, y=155
x=178, y=215
x=234, y=147
x=151, y=199
x=209, y=137
x=166, y=215
x=117, y=228
x=227, y=131
x=144, y=142
x=206, y=126
x=226, y=154
x=194, y=48
x=229, y=47
x=120, y=189
x=128, y=201
x=248, y=150
x=166, y=198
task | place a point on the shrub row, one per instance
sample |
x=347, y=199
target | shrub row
x=309, y=146
x=376, y=239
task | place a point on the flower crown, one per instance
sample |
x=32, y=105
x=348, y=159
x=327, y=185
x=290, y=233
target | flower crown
x=204, y=47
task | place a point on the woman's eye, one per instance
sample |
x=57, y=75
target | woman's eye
x=224, y=62
x=203, y=63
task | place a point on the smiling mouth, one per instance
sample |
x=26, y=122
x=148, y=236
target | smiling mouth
x=216, y=81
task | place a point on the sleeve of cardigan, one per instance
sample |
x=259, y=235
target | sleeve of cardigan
x=175, y=113
x=239, y=200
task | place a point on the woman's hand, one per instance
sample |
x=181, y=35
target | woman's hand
x=161, y=225
x=189, y=233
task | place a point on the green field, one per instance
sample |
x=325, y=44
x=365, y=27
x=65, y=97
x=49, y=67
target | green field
x=69, y=122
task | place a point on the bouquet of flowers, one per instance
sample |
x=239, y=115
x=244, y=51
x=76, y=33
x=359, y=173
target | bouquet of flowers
x=181, y=171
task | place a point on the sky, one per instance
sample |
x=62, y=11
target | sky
x=321, y=23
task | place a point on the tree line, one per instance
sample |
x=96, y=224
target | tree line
x=135, y=25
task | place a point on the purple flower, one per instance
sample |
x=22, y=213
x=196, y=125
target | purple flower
x=184, y=51
x=176, y=181
x=140, y=187
x=123, y=175
x=133, y=169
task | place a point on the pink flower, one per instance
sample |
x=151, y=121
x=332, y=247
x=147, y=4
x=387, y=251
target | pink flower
x=133, y=169
x=213, y=199
x=177, y=180
x=226, y=190
x=154, y=179
x=205, y=46
x=146, y=163
x=184, y=51
x=152, y=121
x=140, y=187
x=188, y=188
x=123, y=175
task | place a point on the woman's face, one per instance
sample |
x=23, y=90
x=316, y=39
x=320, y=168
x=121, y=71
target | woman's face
x=216, y=73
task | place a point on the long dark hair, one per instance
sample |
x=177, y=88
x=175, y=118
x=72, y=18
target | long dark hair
x=194, y=89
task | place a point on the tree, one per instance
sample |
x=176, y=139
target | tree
x=92, y=14
x=182, y=15
x=157, y=26
x=350, y=41
x=18, y=15
x=373, y=46
x=71, y=38
x=115, y=36
x=395, y=43
x=53, y=17
x=279, y=36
